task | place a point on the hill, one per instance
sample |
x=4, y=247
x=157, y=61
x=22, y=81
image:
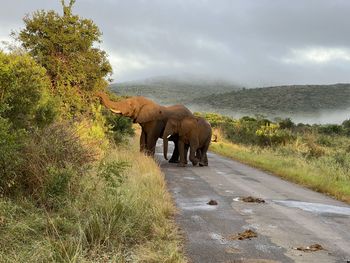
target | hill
x=274, y=101
x=174, y=90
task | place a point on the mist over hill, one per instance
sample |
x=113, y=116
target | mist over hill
x=174, y=89
x=302, y=103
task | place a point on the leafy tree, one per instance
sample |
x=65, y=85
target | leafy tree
x=22, y=85
x=65, y=45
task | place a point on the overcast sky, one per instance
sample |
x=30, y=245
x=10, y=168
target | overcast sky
x=255, y=42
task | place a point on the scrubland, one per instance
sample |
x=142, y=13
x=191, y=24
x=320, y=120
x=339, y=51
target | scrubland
x=315, y=156
x=73, y=185
x=113, y=209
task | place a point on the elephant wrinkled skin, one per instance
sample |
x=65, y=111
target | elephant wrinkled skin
x=193, y=131
x=151, y=116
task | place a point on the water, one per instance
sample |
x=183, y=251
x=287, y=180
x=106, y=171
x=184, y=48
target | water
x=315, y=207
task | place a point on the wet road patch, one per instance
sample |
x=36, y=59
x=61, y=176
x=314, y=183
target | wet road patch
x=315, y=207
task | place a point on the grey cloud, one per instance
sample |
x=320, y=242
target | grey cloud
x=245, y=41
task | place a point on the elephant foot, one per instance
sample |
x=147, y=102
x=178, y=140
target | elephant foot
x=181, y=165
x=173, y=161
x=203, y=164
x=194, y=161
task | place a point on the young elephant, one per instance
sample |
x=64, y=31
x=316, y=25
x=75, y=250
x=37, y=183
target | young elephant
x=193, y=131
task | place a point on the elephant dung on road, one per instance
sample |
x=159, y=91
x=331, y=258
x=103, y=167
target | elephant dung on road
x=151, y=116
x=193, y=131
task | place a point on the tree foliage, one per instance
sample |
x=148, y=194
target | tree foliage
x=22, y=85
x=65, y=45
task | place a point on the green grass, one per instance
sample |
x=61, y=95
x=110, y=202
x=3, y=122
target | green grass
x=316, y=174
x=122, y=214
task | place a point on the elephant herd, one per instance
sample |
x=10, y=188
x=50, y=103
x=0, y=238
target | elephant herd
x=171, y=123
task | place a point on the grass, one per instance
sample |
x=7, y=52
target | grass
x=122, y=213
x=315, y=174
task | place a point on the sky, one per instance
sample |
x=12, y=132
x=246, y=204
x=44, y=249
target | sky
x=254, y=43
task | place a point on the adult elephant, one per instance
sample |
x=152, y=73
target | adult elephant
x=151, y=116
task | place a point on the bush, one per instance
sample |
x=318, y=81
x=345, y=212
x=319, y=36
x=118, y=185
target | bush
x=346, y=127
x=330, y=129
x=119, y=126
x=271, y=134
x=215, y=120
x=46, y=166
x=308, y=147
x=11, y=145
x=22, y=83
x=286, y=123
x=112, y=172
x=249, y=130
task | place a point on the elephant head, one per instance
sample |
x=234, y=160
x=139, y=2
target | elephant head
x=138, y=108
x=172, y=127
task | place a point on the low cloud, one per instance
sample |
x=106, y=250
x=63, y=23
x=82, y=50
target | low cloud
x=319, y=55
x=255, y=43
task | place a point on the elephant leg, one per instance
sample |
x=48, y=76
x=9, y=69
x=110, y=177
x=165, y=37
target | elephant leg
x=143, y=141
x=182, y=153
x=151, y=142
x=175, y=156
x=204, y=159
x=187, y=146
x=199, y=154
x=193, y=158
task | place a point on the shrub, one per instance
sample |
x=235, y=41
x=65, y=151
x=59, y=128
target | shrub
x=271, y=134
x=119, y=126
x=307, y=146
x=11, y=145
x=330, y=129
x=346, y=127
x=112, y=172
x=54, y=158
x=286, y=123
x=46, y=112
x=22, y=83
x=92, y=131
x=215, y=120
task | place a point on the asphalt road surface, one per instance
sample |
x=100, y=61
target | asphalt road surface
x=291, y=217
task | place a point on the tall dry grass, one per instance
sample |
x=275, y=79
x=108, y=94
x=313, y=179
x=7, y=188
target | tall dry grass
x=130, y=220
x=304, y=162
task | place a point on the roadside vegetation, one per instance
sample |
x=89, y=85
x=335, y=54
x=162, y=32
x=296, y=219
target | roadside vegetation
x=316, y=156
x=73, y=185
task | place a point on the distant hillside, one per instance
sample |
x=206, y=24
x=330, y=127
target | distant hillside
x=173, y=90
x=275, y=101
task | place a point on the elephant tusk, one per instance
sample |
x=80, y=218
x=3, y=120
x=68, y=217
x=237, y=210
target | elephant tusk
x=168, y=136
x=116, y=111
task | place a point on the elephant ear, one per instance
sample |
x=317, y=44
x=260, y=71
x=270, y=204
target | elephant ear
x=149, y=112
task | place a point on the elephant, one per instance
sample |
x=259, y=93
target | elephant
x=152, y=118
x=193, y=131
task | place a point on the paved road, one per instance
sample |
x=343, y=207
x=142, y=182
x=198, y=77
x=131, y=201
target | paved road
x=291, y=217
